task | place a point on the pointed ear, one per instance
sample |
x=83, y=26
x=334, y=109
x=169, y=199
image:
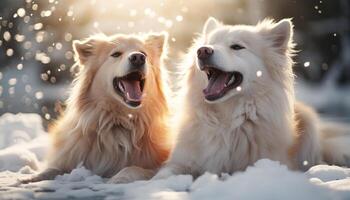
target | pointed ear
x=210, y=25
x=83, y=49
x=157, y=41
x=281, y=34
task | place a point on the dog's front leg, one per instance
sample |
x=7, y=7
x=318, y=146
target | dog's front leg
x=170, y=170
x=48, y=174
x=130, y=174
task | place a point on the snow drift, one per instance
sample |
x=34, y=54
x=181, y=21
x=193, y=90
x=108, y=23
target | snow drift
x=23, y=143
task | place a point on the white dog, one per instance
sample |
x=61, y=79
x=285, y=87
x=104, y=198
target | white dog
x=239, y=105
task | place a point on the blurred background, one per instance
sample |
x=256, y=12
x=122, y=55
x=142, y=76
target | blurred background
x=36, y=36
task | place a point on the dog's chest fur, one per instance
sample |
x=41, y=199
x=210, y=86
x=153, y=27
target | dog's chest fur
x=111, y=152
x=106, y=143
x=235, y=139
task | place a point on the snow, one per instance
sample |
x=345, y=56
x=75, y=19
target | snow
x=20, y=128
x=23, y=143
x=328, y=173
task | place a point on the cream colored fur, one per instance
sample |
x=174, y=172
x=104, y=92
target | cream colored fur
x=259, y=120
x=335, y=143
x=97, y=128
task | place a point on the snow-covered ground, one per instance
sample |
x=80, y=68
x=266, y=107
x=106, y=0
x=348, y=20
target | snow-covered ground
x=23, y=144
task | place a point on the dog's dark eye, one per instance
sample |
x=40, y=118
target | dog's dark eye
x=116, y=54
x=236, y=47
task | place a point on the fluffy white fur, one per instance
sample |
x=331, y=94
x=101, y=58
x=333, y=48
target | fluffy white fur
x=259, y=119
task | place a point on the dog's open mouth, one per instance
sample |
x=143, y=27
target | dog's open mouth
x=130, y=87
x=220, y=82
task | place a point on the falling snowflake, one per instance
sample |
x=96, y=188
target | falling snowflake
x=58, y=46
x=20, y=66
x=168, y=23
x=9, y=52
x=179, y=18
x=68, y=37
x=12, y=81
x=20, y=38
x=7, y=36
x=21, y=12
x=38, y=26
x=42, y=57
x=47, y=116
x=39, y=95
x=258, y=73
x=133, y=12
x=305, y=162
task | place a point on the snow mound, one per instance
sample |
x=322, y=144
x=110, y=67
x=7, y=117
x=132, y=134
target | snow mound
x=20, y=128
x=80, y=174
x=14, y=159
x=23, y=142
x=266, y=179
x=328, y=173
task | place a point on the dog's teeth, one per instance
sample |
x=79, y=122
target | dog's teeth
x=120, y=85
x=231, y=81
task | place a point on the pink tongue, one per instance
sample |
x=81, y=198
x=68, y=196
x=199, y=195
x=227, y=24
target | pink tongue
x=132, y=90
x=216, y=84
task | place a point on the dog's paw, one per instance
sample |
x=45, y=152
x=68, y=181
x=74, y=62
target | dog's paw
x=119, y=180
x=162, y=175
x=48, y=174
x=165, y=173
x=131, y=174
x=24, y=180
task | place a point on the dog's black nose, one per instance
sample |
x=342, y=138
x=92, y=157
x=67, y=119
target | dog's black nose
x=204, y=52
x=137, y=59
